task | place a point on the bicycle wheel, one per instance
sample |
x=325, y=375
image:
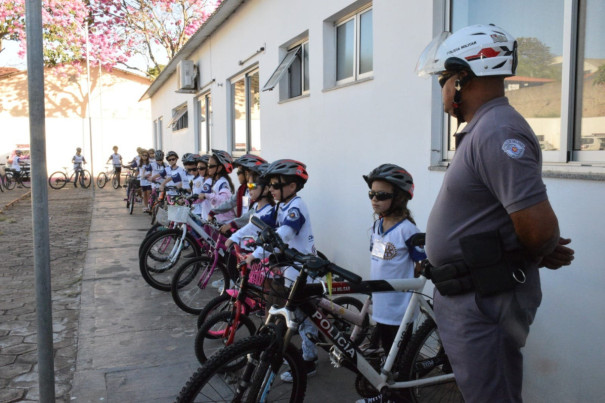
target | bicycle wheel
x=424, y=357
x=114, y=181
x=211, y=383
x=9, y=181
x=1, y=183
x=57, y=180
x=220, y=303
x=85, y=179
x=155, y=260
x=101, y=180
x=26, y=181
x=193, y=286
x=131, y=199
x=221, y=324
x=353, y=304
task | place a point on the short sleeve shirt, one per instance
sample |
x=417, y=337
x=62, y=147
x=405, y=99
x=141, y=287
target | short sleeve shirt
x=496, y=171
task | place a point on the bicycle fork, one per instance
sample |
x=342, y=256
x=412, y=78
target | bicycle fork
x=176, y=250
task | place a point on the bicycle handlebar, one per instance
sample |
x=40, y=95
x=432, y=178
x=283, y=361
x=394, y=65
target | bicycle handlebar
x=310, y=262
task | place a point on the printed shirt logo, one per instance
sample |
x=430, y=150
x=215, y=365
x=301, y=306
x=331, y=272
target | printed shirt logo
x=390, y=251
x=513, y=148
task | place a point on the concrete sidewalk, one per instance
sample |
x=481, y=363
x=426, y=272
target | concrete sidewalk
x=134, y=343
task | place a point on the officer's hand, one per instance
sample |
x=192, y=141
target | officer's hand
x=561, y=256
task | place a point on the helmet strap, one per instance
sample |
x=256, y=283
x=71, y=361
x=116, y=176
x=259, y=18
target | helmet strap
x=457, y=101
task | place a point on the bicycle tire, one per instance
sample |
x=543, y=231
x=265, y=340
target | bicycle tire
x=26, y=181
x=187, y=291
x=204, y=383
x=218, y=324
x=114, y=181
x=101, y=180
x=220, y=303
x=154, y=265
x=85, y=179
x=131, y=200
x=1, y=183
x=57, y=180
x=424, y=357
x=9, y=181
x=347, y=327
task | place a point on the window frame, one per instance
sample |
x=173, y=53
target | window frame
x=232, y=81
x=562, y=161
x=180, y=118
x=290, y=52
x=207, y=102
x=356, y=17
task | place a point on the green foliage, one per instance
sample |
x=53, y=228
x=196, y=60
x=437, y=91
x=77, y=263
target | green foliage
x=600, y=76
x=535, y=59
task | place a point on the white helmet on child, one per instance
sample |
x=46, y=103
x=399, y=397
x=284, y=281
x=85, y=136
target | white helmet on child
x=485, y=50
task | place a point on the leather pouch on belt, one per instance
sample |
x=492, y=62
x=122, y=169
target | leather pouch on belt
x=490, y=271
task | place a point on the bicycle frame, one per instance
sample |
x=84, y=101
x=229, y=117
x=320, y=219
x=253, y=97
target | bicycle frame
x=345, y=349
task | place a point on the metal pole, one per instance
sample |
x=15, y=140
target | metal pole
x=92, y=169
x=37, y=135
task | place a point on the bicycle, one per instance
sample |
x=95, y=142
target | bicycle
x=414, y=370
x=13, y=178
x=220, y=328
x=164, y=248
x=109, y=175
x=57, y=180
x=132, y=188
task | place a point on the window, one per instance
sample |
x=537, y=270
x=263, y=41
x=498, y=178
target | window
x=205, y=102
x=157, y=133
x=179, y=119
x=354, y=47
x=296, y=64
x=245, y=104
x=559, y=85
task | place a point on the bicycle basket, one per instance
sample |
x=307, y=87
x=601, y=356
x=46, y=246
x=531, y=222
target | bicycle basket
x=258, y=273
x=161, y=217
x=178, y=214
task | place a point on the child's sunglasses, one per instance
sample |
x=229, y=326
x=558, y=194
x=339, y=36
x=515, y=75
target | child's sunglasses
x=252, y=186
x=380, y=196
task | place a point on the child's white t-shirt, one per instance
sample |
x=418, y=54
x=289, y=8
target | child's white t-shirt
x=391, y=258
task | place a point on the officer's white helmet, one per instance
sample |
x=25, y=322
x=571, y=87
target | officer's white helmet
x=486, y=50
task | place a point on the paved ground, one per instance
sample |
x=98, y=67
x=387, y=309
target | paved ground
x=116, y=338
x=69, y=213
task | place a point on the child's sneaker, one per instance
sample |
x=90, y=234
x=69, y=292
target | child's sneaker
x=311, y=367
x=374, y=399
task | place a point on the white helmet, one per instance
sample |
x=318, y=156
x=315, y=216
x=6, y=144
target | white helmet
x=486, y=50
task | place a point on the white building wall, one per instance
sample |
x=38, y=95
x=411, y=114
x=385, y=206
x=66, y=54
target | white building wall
x=343, y=133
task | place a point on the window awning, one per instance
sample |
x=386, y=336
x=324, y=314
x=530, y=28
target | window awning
x=178, y=113
x=281, y=69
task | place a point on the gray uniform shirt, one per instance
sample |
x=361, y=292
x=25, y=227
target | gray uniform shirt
x=496, y=171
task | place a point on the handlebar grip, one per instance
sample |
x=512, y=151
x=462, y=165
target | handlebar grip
x=347, y=275
x=259, y=223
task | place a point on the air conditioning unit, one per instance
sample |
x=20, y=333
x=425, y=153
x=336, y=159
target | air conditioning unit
x=185, y=75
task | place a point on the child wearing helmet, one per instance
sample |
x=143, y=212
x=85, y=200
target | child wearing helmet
x=392, y=256
x=290, y=217
x=78, y=160
x=116, y=161
x=173, y=175
x=240, y=200
x=145, y=173
x=220, y=166
x=261, y=203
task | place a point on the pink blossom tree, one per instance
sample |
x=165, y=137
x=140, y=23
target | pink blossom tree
x=117, y=29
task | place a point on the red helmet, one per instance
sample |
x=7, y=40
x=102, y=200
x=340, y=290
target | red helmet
x=224, y=159
x=248, y=161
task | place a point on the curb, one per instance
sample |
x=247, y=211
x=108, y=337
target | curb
x=23, y=196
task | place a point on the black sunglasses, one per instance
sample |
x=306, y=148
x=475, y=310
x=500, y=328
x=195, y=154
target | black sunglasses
x=171, y=159
x=444, y=77
x=191, y=169
x=380, y=196
x=212, y=166
x=240, y=172
x=278, y=186
x=201, y=168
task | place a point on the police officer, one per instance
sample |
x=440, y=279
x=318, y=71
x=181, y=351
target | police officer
x=492, y=225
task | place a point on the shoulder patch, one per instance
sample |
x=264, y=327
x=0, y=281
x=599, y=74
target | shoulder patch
x=513, y=148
